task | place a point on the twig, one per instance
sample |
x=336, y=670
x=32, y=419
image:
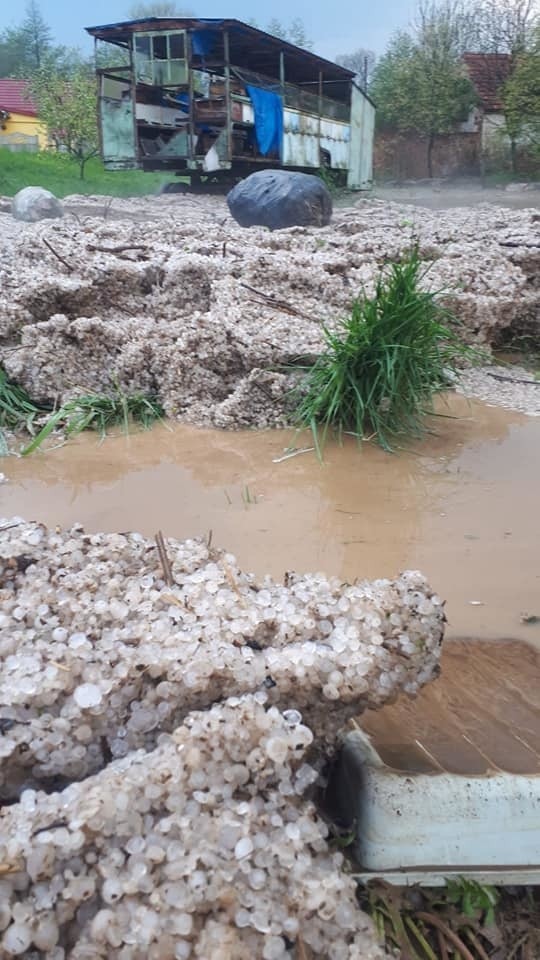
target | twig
x=282, y=305
x=517, y=243
x=456, y=941
x=499, y=376
x=10, y=526
x=522, y=940
x=302, y=952
x=118, y=249
x=57, y=255
x=293, y=453
x=442, y=945
x=476, y=944
x=415, y=930
x=164, y=559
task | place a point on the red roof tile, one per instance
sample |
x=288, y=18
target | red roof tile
x=488, y=72
x=14, y=97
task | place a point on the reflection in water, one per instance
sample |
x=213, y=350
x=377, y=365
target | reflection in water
x=460, y=506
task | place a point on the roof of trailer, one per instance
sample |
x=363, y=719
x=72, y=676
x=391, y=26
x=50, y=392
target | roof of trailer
x=249, y=47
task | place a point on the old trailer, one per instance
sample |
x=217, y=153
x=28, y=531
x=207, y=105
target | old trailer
x=218, y=99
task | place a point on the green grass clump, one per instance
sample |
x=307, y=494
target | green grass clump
x=60, y=174
x=99, y=412
x=17, y=410
x=384, y=363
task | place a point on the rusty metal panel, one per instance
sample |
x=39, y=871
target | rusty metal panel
x=301, y=140
x=361, y=143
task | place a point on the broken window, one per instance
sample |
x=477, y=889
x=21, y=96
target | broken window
x=160, y=59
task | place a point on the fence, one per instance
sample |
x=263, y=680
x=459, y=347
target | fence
x=19, y=142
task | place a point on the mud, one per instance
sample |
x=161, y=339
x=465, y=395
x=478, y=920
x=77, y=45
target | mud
x=462, y=506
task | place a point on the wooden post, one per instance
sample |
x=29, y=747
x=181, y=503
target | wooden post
x=133, y=92
x=320, y=97
x=191, y=97
x=228, y=104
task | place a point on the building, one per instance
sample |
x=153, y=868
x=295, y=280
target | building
x=488, y=73
x=217, y=99
x=20, y=128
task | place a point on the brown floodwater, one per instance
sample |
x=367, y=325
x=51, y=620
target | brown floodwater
x=463, y=506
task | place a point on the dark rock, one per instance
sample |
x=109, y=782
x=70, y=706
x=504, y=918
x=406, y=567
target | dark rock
x=279, y=199
x=35, y=203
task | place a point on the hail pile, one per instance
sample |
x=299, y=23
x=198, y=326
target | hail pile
x=159, y=741
x=169, y=296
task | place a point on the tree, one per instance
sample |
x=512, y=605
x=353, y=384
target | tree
x=294, y=33
x=29, y=46
x=420, y=83
x=361, y=62
x=502, y=26
x=66, y=105
x=156, y=8
x=521, y=99
x=23, y=49
x=297, y=34
x=508, y=27
x=36, y=36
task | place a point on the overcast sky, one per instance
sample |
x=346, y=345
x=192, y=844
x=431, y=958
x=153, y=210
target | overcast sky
x=336, y=27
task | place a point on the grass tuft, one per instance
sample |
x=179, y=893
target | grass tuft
x=384, y=363
x=17, y=410
x=99, y=412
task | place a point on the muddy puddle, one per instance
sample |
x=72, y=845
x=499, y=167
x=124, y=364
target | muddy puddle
x=462, y=507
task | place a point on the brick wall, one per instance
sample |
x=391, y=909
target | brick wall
x=400, y=157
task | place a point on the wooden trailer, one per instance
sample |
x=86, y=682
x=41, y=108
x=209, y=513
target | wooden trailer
x=218, y=99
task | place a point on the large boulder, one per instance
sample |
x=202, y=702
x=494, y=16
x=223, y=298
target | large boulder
x=279, y=199
x=35, y=203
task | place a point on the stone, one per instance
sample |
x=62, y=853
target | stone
x=280, y=198
x=34, y=203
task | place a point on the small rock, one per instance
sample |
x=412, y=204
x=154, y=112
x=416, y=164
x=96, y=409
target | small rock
x=34, y=203
x=280, y=198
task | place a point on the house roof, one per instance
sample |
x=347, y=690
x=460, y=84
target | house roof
x=249, y=47
x=14, y=97
x=488, y=72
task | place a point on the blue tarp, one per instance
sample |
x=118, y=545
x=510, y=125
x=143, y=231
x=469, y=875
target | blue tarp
x=268, y=110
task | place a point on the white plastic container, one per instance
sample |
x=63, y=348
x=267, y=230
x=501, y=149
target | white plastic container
x=444, y=821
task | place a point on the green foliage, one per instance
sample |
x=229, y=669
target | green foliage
x=420, y=84
x=29, y=46
x=384, y=363
x=98, y=412
x=59, y=174
x=521, y=98
x=17, y=411
x=66, y=105
x=475, y=900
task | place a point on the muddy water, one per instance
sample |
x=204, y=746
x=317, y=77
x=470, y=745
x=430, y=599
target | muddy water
x=462, y=507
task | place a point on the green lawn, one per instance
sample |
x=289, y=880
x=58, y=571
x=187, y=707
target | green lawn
x=60, y=175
